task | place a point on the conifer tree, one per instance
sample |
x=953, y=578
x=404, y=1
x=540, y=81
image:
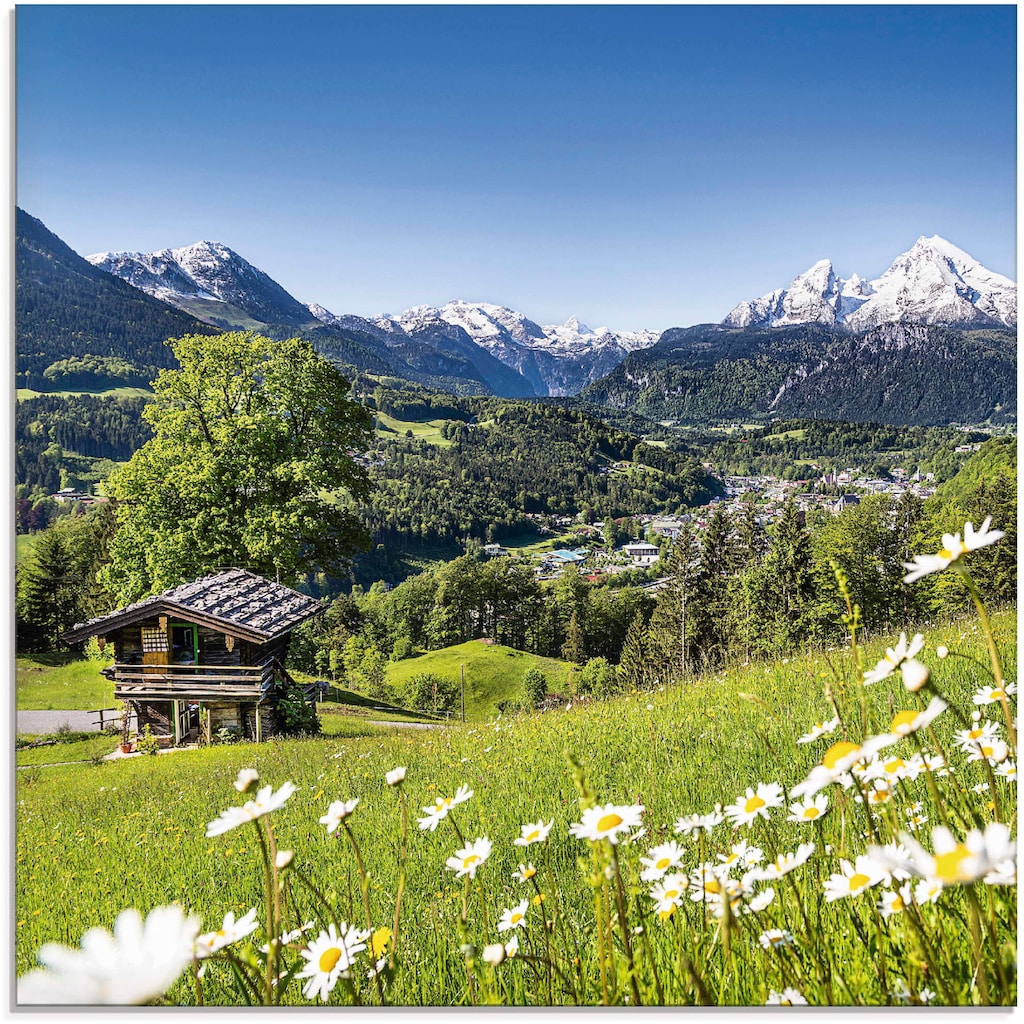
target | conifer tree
x=634, y=664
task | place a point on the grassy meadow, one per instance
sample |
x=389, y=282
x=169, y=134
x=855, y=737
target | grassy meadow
x=61, y=682
x=94, y=839
x=494, y=673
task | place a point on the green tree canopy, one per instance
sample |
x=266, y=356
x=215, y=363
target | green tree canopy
x=249, y=465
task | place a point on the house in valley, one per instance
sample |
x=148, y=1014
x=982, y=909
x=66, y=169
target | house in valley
x=218, y=643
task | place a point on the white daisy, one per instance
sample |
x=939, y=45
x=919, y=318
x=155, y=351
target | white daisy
x=395, y=777
x=837, y=761
x=515, y=917
x=1008, y=770
x=331, y=956
x=776, y=938
x=786, y=862
x=660, y=859
x=607, y=822
x=535, y=832
x=669, y=891
x=952, y=550
x=787, y=997
x=247, y=779
x=230, y=931
x=337, y=813
x=754, y=805
x=264, y=802
x=955, y=862
x=906, y=722
x=467, y=860
x=853, y=879
x=810, y=809
x=993, y=751
x=820, y=729
x=896, y=902
x=691, y=823
x=894, y=658
x=993, y=694
x=135, y=965
x=438, y=810
x=524, y=873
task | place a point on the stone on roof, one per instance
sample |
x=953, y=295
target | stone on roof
x=241, y=601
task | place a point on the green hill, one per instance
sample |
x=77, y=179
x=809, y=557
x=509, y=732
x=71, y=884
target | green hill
x=494, y=673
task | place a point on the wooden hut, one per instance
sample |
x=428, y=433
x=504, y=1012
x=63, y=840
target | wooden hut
x=218, y=643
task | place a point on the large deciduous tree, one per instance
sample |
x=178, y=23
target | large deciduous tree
x=250, y=466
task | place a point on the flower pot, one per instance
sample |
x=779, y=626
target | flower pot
x=126, y=748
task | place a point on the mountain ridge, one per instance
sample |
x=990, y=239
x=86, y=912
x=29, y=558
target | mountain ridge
x=933, y=282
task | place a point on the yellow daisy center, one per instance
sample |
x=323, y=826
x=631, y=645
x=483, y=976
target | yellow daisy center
x=471, y=859
x=753, y=804
x=947, y=865
x=997, y=695
x=897, y=903
x=903, y=721
x=975, y=733
x=516, y=918
x=608, y=822
x=895, y=765
x=986, y=751
x=711, y=885
x=663, y=863
x=664, y=915
x=811, y=812
x=533, y=835
x=837, y=751
x=671, y=894
x=328, y=958
x=529, y=873
x=858, y=881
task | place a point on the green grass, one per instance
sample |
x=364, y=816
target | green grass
x=91, y=840
x=428, y=431
x=61, y=682
x=23, y=543
x=117, y=392
x=494, y=673
x=528, y=544
x=79, y=747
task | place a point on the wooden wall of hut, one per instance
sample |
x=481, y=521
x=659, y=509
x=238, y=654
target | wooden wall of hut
x=127, y=643
x=213, y=649
x=157, y=715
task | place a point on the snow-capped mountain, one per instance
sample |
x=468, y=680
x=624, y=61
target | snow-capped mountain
x=558, y=359
x=933, y=282
x=208, y=280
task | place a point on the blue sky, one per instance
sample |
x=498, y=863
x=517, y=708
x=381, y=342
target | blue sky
x=636, y=167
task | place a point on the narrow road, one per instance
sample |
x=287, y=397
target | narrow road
x=41, y=723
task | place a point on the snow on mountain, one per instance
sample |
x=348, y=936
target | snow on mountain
x=559, y=359
x=497, y=327
x=934, y=282
x=202, y=277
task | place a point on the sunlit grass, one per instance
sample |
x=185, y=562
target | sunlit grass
x=61, y=682
x=137, y=828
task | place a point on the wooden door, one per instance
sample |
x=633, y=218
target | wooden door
x=154, y=649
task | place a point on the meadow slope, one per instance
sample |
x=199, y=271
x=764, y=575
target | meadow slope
x=93, y=839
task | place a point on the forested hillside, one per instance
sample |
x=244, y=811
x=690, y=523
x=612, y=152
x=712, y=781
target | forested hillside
x=896, y=373
x=499, y=460
x=77, y=326
x=786, y=448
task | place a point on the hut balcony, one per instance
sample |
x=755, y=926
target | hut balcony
x=197, y=682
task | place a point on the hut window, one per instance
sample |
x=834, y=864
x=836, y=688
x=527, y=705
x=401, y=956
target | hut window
x=154, y=639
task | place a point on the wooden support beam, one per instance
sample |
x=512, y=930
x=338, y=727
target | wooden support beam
x=175, y=708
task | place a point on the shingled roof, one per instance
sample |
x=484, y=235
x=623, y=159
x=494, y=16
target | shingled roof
x=236, y=602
